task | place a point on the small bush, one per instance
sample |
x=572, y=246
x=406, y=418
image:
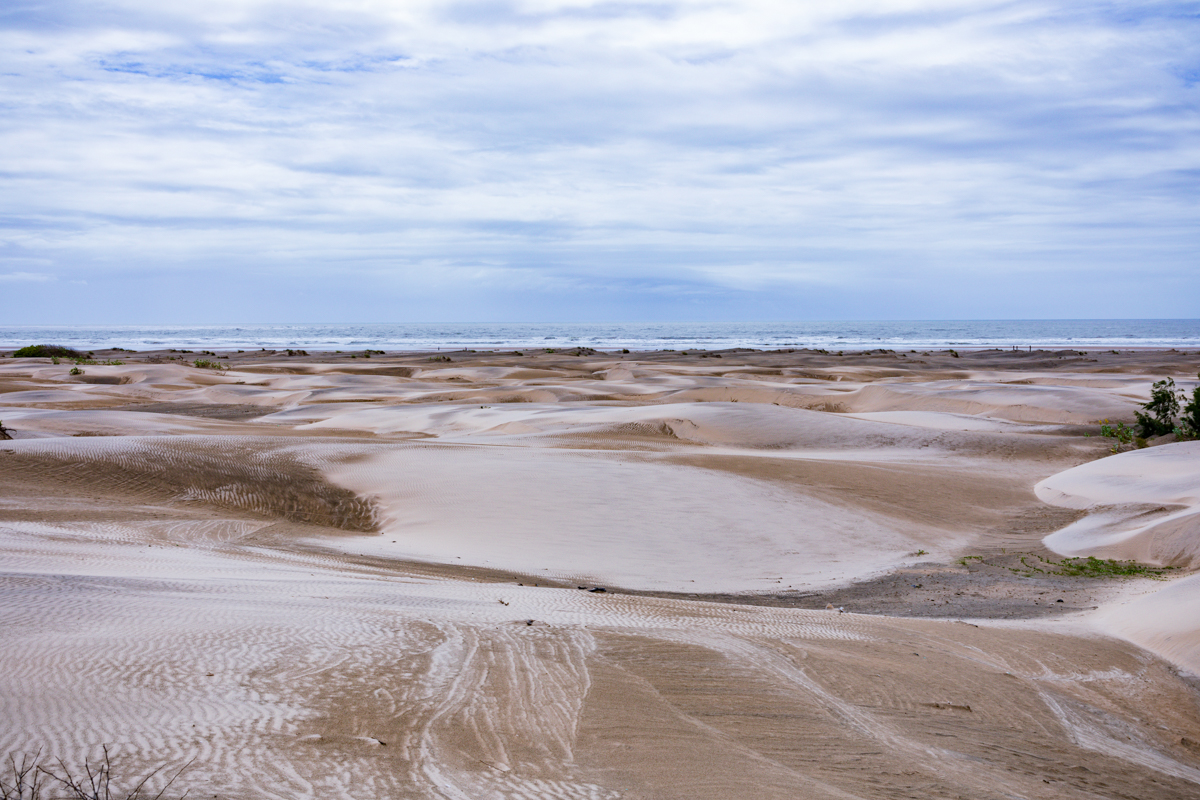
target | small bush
x=47, y=351
x=1189, y=419
x=203, y=363
x=1120, y=432
x=1160, y=410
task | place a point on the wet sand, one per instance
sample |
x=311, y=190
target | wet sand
x=324, y=576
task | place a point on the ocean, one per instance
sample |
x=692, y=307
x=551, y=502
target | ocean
x=839, y=335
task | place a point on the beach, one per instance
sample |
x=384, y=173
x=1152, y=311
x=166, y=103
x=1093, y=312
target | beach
x=571, y=573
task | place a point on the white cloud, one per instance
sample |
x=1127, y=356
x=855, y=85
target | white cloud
x=25, y=277
x=748, y=147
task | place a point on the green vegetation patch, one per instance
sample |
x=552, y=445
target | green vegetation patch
x=47, y=351
x=1029, y=565
x=204, y=363
x=1092, y=567
x=1169, y=410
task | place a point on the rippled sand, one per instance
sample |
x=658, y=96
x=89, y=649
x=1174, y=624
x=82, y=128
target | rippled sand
x=334, y=578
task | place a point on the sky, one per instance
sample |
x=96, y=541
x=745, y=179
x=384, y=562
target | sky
x=575, y=161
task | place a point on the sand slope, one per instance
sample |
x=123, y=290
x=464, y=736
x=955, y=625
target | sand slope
x=324, y=578
x=1144, y=505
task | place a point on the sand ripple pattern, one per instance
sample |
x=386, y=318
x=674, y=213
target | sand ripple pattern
x=237, y=473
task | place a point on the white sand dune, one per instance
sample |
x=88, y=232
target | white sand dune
x=1145, y=506
x=1014, y=402
x=325, y=578
x=615, y=520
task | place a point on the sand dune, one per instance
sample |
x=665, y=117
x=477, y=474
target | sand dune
x=1143, y=505
x=324, y=578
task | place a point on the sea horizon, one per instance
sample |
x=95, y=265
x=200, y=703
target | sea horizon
x=815, y=334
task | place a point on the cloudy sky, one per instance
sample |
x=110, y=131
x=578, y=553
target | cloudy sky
x=567, y=160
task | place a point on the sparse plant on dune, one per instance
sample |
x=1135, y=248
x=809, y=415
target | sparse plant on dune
x=24, y=780
x=1029, y=565
x=29, y=779
x=1120, y=433
x=203, y=363
x=47, y=351
x=1158, y=417
x=1160, y=410
x=1189, y=418
x=1092, y=567
x=1158, y=414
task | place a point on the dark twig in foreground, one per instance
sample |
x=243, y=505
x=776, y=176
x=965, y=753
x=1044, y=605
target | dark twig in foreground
x=25, y=782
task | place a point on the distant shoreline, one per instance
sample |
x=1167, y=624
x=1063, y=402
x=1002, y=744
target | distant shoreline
x=1086, y=335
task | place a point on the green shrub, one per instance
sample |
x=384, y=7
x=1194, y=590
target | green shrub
x=1120, y=432
x=1160, y=410
x=1189, y=419
x=1165, y=404
x=47, y=351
